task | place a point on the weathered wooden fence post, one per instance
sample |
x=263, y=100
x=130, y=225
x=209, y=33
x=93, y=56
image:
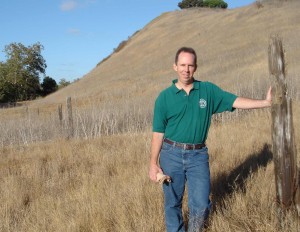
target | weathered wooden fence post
x=60, y=114
x=70, y=118
x=284, y=149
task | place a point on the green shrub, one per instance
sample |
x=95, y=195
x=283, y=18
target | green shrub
x=215, y=4
x=202, y=3
x=190, y=3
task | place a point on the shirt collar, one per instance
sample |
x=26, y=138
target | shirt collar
x=175, y=90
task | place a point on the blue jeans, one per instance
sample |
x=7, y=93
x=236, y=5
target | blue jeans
x=191, y=167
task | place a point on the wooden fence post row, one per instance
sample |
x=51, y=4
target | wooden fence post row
x=70, y=124
x=284, y=148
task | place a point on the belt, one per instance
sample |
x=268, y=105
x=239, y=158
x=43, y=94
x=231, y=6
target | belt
x=185, y=146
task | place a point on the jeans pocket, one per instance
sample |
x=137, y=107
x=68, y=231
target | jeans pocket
x=203, y=151
x=166, y=147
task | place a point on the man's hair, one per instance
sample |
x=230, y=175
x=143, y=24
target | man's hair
x=188, y=50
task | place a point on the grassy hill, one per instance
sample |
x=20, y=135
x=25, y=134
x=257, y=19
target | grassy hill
x=232, y=46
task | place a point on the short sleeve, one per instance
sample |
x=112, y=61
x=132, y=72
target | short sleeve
x=159, y=117
x=222, y=100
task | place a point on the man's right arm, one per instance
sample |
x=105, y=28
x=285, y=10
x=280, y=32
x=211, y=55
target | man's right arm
x=248, y=103
x=157, y=140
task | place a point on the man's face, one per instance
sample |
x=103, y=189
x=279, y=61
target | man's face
x=185, y=68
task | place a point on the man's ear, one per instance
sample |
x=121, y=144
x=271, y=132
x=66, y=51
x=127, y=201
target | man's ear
x=175, y=67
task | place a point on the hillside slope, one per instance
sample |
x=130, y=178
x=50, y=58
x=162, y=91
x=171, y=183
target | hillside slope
x=232, y=46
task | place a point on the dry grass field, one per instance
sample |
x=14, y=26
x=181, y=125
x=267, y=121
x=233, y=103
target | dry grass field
x=102, y=184
x=98, y=181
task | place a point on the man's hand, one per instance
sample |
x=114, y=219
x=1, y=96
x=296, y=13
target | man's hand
x=153, y=170
x=269, y=96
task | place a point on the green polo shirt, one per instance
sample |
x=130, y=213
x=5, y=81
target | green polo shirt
x=187, y=118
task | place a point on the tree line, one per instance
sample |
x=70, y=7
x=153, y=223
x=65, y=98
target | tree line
x=20, y=74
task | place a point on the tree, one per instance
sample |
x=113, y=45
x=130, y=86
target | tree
x=215, y=4
x=48, y=85
x=6, y=87
x=190, y=3
x=63, y=83
x=20, y=75
x=202, y=3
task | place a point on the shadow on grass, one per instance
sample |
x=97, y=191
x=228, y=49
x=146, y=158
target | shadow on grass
x=226, y=183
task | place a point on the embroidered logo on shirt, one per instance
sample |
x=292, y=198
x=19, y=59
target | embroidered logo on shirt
x=202, y=103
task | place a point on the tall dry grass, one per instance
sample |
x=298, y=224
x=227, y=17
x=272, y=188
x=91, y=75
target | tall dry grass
x=90, y=121
x=102, y=184
x=95, y=185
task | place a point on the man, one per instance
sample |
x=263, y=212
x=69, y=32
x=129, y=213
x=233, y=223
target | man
x=182, y=116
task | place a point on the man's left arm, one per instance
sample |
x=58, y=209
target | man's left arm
x=248, y=103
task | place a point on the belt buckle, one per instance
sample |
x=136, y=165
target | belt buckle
x=184, y=146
